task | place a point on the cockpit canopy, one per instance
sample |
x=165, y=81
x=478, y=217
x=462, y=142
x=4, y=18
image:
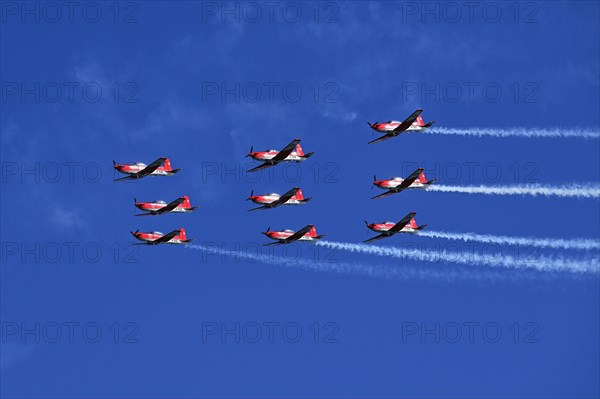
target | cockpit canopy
x=288, y=231
x=274, y=194
x=160, y=202
x=157, y=233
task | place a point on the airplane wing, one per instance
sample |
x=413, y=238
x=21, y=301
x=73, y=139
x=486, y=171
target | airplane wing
x=128, y=177
x=297, y=235
x=170, y=206
x=400, y=225
x=281, y=155
x=166, y=238
x=260, y=167
x=387, y=136
x=410, y=179
x=284, y=198
x=379, y=237
x=390, y=192
x=150, y=168
x=408, y=121
x=274, y=243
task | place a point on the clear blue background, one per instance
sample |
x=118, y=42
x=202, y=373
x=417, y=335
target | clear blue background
x=370, y=51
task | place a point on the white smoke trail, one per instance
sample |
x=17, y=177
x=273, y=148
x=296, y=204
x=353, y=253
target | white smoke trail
x=588, y=190
x=584, y=244
x=438, y=273
x=519, y=132
x=540, y=263
x=379, y=271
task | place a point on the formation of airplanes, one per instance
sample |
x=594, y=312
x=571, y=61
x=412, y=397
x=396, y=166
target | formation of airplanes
x=292, y=152
x=160, y=167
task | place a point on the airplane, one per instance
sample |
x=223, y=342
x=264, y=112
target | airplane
x=388, y=229
x=273, y=200
x=307, y=233
x=156, y=237
x=160, y=167
x=180, y=205
x=416, y=180
x=414, y=123
x=291, y=153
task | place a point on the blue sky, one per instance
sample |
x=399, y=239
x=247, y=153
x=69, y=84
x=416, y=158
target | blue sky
x=352, y=62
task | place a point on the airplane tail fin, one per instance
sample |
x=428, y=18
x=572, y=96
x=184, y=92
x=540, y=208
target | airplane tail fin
x=413, y=223
x=313, y=232
x=182, y=235
x=420, y=121
x=167, y=165
x=299, y=195
x=422, y=178
x=299, y=150
x=186, y=202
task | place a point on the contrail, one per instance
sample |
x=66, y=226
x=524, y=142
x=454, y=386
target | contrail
x=519, y=132
x=540, y=263
x=588, y=190
x=438, y=273
x=584, y=244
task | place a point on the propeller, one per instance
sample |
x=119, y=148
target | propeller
x=133, y=234
x=251, y=194
x=268, y=229
x=374, y=180
x=251, y=150
x=367, y=223
x=134, y=200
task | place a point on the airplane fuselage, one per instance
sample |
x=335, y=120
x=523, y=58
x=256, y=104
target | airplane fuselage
x=155, y=206
x=391, y=125
x=266, y=156
x=395, y=182
x=152, y=236
x=386, y=226
x=130, y=169
x=269, y=198
x=283, y=235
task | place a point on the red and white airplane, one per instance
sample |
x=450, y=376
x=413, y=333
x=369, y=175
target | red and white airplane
x=414, y=123
x=156, y=237
x=180, y=205
x=307, y=233
x=273, y=200
x=416, y=180
x=388, y=229
x=160, y=167
x=292, y=152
